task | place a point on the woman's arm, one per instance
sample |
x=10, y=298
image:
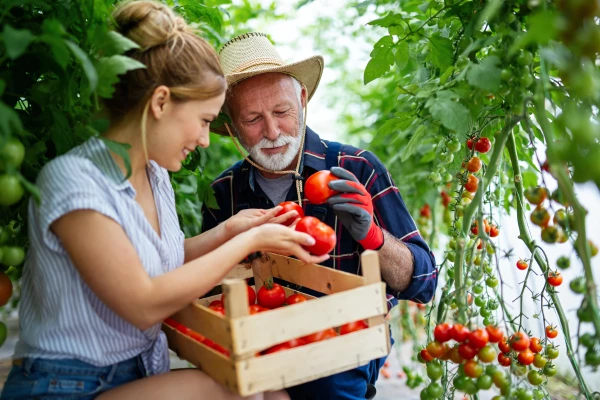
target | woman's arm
x=109, y=264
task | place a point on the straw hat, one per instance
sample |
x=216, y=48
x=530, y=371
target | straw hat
x=253, y=53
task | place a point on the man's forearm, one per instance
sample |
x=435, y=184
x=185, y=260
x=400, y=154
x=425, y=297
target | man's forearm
x=396, y=262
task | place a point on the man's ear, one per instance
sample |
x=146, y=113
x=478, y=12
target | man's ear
x=303, y=96
x=159, y=101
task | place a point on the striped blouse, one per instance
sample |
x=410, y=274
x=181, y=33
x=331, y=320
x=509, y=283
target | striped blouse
x=60, y=316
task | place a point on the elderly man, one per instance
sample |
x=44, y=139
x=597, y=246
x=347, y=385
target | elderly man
x=266, y=104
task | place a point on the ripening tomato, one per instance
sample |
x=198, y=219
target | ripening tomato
x=322, y=233
x=494, y=231
x=318, y=336
x=504, y=360
x=540, y=216
x=290, y=206
x=271, y=295
x=472, y=183
x=353, y=327
x=519, y=341
x=442, y=332
x=467, y=351
x=555, y=278
x=535, y=195
x=487, y=354
x=425, y=356
x=474, y=164
x=470, y=144
x=6, y=287
x=256, y=308
x=316, y=188
x=425, y=211
x=284, y=346
x=459, y=332
x=446, y=199
x=473, y=369
x=478, y=338
x=526, y=357
x=483, y=145
x=535, y=345
x=436, y=349
x=251, y=296
x=551, y=332
x=522, y=265
x=295, y=298
x=504, y=346
x=495, y=334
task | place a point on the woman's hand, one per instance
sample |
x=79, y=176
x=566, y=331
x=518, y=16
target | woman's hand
x=284, y=240
x=253, y=217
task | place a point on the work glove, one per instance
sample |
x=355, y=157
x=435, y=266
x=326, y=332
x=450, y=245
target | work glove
x=354, y=207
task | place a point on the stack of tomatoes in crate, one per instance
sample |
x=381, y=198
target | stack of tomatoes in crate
x=289, y=337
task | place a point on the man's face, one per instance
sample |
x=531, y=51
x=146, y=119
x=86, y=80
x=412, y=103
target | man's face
x=267, y=114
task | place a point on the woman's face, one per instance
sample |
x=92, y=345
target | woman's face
x=178, y=128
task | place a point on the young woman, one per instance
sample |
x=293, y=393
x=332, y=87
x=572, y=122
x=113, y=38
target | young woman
x=107, y=260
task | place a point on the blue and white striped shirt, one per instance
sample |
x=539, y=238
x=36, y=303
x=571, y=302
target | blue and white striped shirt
x=59, y=314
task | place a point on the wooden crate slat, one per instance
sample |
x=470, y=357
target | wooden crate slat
x=322, y=279
x=283, y=369
x=206, y=322
x=249, y=334
x=219, y=367
x=240, y=271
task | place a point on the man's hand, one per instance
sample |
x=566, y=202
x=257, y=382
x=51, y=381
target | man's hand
x=354, y=207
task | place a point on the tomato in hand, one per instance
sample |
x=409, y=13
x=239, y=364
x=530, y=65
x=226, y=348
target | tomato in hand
x=290, y=206
x=483, y=145
x=271, y=295
x=318, y=336
x=295, y=298
x=284, y=346
x=442, y=332
x=322, y=233
x=316, y=188
x=353, y=327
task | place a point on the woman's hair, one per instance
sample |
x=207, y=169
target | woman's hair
x=173, y=54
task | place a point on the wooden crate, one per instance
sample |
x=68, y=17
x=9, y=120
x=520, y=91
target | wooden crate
x=349, y=298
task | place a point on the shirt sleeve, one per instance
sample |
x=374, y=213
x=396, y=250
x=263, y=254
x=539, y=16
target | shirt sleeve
x=69, y=183
x=397, y=221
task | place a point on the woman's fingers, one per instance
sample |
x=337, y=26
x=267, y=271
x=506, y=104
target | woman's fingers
x=293, y=225
x=284, y=217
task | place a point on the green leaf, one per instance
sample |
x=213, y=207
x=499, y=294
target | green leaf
x=393, y=125
x=440, y=51
x=444, y=77
x=206, y=193
x=402, y=55
x=16, y=41
x=543, y=27
x=119, y=149
x=529, y=179
x=86, y=64
x=109, y=69
x=115, y=43
x=451, y=114
x=59, y=49
x=198, y=12
x=413, y=143
x=61, y=132
x=9, y=120
x=485, y=75
x=389, y=20
x=381, y=61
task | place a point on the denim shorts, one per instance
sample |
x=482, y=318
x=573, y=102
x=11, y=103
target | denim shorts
x=39, y=378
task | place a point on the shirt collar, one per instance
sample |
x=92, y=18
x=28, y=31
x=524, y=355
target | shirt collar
x=313, y=157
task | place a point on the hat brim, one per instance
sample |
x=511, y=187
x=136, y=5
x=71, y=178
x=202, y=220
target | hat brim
x=307, y=71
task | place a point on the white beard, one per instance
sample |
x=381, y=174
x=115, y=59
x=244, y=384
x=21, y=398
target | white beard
x=277, y=162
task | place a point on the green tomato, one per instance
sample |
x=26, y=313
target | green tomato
x=539, y=361
x=479, y=302
x=563, y=262
x=12, y=256
x=434, y=370
x=524, y=394
x=506, y=75
x=492, y=281
x=435, y=390
x=424, y=395
x=487, y=267
x=471, y=387
x=535, y=378
x=538, y=394
x=452, y=244
x=577, y=285
x=11, y=190
x=435, y=177
x=587, y=340
x=525, y=58
x=491, y=370
x=484, y=312
x=551, y=352
x=477, y=289
x=453, y=145
x=12, y=153
x=492, y=304
x=489, y=321
x=448, y=177
x=4, y=235
x=484, y=382
x=549, y=370
x=460, y=383
x=451, y=256
x=592, y=357
x=451, y=273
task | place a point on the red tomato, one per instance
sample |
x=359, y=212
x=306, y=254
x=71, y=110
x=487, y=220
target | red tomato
x=284, y=346
x=271, y=295
x=472, y=183
x=474, y=164
x=459, y=333
x=535, y=345
x=478, y=338
x=522, y=265
x=494, y=231
x=251, y=297
x=494, y=333
x=504, y=360
x=317, y=337
x=551, y=332
x=217, y=309
x=290, y=206
x=316, y=188
x=504, y=346
x=519, y=341
x=295, y=298
x=353, y=327
x=555, y=278
x=436, y=349
x=216, y=347
x=466, y=351
x=426, y=356
x=470, y=144
x=425, y=211
x=525, y=357
x=442, y=332
x=256, y=308
x=483, y=145
x=217, y=303
x=196, y=336
x=322, y=233
x=171, y=322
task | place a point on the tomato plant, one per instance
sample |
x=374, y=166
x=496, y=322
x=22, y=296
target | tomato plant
x=323, y=234
x=316, y=188
x=288, y=206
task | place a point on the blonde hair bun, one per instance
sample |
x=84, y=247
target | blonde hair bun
x=149, y=23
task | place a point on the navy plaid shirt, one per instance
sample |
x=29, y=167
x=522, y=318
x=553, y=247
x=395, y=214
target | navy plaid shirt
x=236, y=189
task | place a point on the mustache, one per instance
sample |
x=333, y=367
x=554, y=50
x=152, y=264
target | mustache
x=282, y=140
